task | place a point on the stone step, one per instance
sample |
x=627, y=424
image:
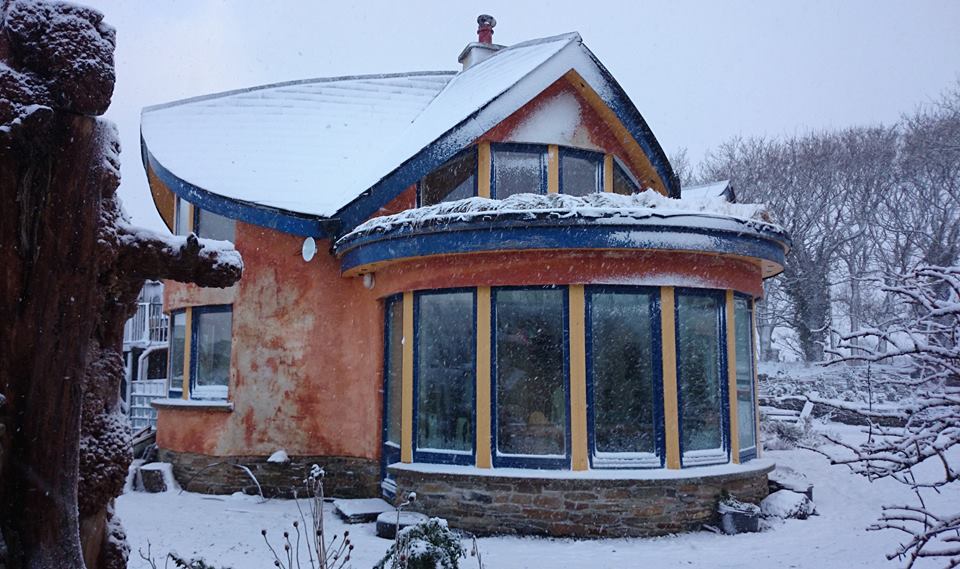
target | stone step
x=387, y=522
x=361, y=510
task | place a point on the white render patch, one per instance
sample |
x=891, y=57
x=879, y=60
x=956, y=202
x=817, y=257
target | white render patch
x=613, y=208
x=279, y=457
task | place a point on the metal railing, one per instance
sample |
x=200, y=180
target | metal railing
x=149, y=325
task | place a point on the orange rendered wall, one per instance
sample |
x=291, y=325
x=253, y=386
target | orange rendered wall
x=306, y=360
x=510, y=268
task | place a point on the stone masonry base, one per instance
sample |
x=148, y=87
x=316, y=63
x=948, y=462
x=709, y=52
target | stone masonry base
x=578, y=507
x=346, y=477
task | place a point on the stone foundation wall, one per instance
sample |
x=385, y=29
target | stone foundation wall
x=346, y=477
x=588, y=507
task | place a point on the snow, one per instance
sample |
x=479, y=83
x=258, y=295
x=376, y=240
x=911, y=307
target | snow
x=614, y=208
x=279, y=457
x=705, y=191
x=598, y=474
x=226, y=530
x=305, y=146
x=787, y=504
x=207, y=403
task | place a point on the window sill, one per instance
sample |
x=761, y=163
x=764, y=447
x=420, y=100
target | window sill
x=198, y=404
x=692, y=472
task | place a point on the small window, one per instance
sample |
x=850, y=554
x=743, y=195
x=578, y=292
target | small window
x=212, y=344
x=394, y=367
x=445, y=363
x=455, y=180
x=157, y=365
x=213, y=226
x=623, y=184
x=182, y=220
x=746, y=412
x=178, y=337
x=700, y=377
x=518, y=170
x=530, y=376
x=580, y=172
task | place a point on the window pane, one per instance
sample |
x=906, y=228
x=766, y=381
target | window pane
x=446, y=371
x=182, y=222
x=178, y=335
x=579, y=175
x=517, y=172
x=531, y=398
x=455, y=180
x=622, y=372
x=157, y=364
x=213, y=226
x=698, y=371
x=622, y=184
x=394, y=367
x=213, y=352
x=746, y=420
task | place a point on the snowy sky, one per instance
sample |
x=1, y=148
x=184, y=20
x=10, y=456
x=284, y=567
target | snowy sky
x=700, y=72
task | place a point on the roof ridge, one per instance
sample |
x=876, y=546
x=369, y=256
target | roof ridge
x=313, y=80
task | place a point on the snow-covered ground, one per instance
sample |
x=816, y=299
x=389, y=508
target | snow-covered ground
x=225, y=530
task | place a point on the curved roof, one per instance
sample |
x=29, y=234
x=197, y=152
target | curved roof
x=292, y=155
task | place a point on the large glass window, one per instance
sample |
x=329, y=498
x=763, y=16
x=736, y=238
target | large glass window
x=212, y=343
x=746, y=418
x=580, y=172
x=455, y=180
x=393, y=368
x=531, y=398
x=623, y=184
x=699, y=376
x=623, y=336
x=518, y=170
x=445, y=363
x=178, y=338
x=213, y=226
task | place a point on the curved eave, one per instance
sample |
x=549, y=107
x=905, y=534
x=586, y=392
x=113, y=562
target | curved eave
x=365, y=252
x=255, y=214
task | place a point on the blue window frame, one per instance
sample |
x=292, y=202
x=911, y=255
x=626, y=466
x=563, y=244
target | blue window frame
x=624, y=377
x=702, y=376
x=444, y=376
x=530, y=380
x=178, y=342
x=455, y=180
x=211, y=345
x=392, y=372
x=746, y=382
x=517, y=168
x=581, y=172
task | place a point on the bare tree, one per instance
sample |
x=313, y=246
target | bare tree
x=927, y=336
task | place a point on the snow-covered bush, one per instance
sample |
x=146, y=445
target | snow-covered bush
x=787, y=435
x=787, y=504
x=928, y=336
x=427, y=545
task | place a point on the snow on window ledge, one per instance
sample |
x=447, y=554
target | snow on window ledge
x=756, y=466
x=199, y=404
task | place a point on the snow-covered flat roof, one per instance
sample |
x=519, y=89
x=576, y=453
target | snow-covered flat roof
x=706, y=191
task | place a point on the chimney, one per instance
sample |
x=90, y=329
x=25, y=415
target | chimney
x=483, y=48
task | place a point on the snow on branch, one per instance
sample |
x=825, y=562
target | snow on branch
x=927, y=336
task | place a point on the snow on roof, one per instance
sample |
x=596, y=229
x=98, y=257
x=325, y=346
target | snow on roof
x=314, y=146
x=598, y=205
x=701, y=191
x=289, y=145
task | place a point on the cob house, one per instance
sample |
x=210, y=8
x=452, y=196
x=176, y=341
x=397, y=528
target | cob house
x=481, y=285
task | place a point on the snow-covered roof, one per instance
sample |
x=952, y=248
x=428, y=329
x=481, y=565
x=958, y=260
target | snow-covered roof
x=342, y=147
x=721, y=189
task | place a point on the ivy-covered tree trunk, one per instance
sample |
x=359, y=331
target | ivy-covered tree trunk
x=72, y=268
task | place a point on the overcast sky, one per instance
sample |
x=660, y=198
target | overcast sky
x=700, y=72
